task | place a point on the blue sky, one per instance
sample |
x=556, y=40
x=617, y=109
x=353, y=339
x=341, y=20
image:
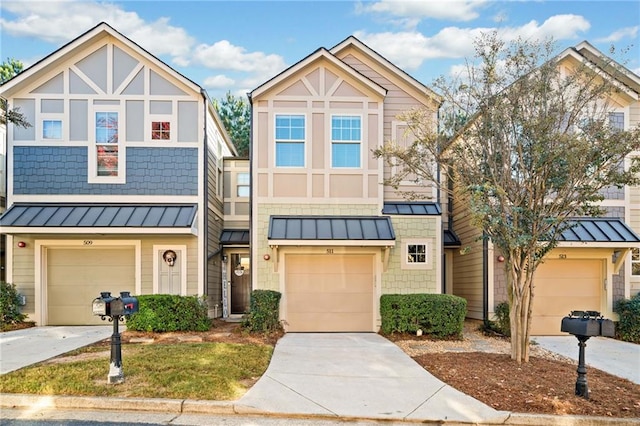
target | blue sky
x=237, y=45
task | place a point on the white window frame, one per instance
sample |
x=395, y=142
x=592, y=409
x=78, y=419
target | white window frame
x=93, y=157
x=161, y=118
x=302, y=141
x=359, y=142
x=52, y=117
x=404, y=254
x=247, y=185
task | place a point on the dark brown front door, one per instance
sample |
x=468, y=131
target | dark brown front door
x=240, y=283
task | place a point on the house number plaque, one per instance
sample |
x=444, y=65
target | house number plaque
x=329, y=251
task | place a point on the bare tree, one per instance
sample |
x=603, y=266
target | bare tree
x=527, y=140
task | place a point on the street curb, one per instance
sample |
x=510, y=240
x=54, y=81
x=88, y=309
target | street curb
x=520, y=419
x=190, y=406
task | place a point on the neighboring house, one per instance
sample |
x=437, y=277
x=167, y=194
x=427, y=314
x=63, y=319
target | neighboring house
x=595, y=264
x=116, y=186
x=236, y=273
x=325, y=232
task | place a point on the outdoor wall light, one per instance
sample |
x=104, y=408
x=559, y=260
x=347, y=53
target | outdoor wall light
x=501, y=258
x=22, y=244
x=266, y=257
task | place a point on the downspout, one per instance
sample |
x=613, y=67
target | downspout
x=205, y=185
x=485, y=278
x=253, y=267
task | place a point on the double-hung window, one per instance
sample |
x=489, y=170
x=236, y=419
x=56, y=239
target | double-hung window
x=243, y=189
x=346, y=139
x=290, y=139
x=106, y=144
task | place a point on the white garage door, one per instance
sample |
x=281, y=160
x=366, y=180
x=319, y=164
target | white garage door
x=76, y=276
x=332, y=293
x=561, y=286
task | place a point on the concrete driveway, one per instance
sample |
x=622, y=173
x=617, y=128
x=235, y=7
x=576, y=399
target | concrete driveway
x=619, y=358
x=359, y=375
x=25, y=347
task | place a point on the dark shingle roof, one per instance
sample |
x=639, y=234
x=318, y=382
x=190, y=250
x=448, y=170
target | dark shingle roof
x=330, y=228
x=99, y=215
x=450, y=239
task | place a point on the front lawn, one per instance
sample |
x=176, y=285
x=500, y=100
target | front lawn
x=208, y=371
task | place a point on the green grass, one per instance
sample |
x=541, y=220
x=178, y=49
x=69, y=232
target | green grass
x=209, y=371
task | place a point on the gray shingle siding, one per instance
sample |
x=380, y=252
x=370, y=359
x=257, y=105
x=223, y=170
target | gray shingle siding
x=63, y=170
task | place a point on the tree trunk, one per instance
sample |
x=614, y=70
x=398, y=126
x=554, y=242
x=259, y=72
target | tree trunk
x=520, y=281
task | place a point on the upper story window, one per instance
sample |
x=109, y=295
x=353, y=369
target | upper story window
x=346, y=138
x=243, y=185
x=107, y=159
x=616, y=120
x=290, y=138
x=160, y=130
x=52, y=129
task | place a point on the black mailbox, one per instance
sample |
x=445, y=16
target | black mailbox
x=102, y=305
x=129, y=303
x=587, y=323
x=583, y=325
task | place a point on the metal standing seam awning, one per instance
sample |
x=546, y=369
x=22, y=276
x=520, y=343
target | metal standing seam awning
x=422, y=208
x=355, y=231
x=99, y=217
x=230, y=237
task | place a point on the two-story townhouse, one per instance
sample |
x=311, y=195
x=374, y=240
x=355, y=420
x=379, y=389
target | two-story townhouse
x=595, y=264
x=117, y=185
x=326, y=233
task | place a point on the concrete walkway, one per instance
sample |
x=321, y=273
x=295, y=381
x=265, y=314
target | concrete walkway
x=619, y=358
x=357, y=375
x=32, y=345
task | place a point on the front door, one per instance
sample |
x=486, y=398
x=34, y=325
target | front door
x=170, y=266
x=240, y=283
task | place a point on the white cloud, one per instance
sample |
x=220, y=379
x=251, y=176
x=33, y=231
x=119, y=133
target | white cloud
x=224, y=55
x=218, y=82
x=409, y=49
x=458, y=10
x=618, y=35
x=58, y=23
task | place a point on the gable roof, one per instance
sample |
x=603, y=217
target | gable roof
x=91, y=36
x=605, y=66
x=319, y=54
x=353, y=42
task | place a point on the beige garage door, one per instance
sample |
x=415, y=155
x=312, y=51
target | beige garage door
x=562, y=286
x=77, y=276
x=331, y=293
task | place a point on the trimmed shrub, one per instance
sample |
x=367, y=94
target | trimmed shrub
x=264, y=312
x=167, y=312
x=439, y=315
x=10, y=304
x=628, y=328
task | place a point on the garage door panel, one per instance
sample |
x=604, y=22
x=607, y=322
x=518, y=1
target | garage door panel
x=331, y=303
x=331, y=322
x=77, y=276
x=562, y=286
x=329, y=292
x=301, y=284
